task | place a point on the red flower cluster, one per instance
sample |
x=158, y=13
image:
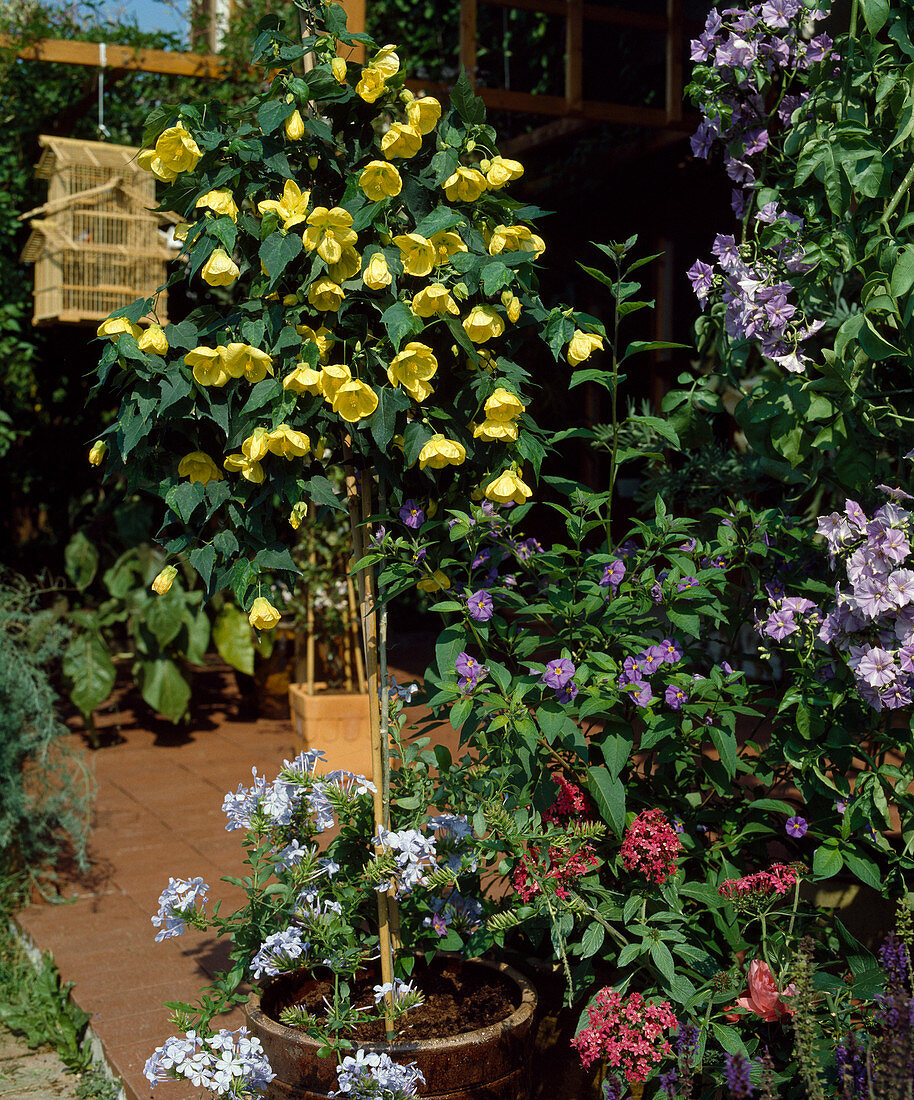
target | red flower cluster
x=778, y=879
x=569, y=802
x=651, y=846
x=627, y=1033
x=560, y=864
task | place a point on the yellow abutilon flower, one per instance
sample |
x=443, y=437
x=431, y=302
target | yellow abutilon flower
x=175, y=152
x=298, y=513
x=354, y=400
x=164, y=580
x=333, y=376
x=291, y=208
x=220, y=269
x=303, y=380
x=326, y=295
x=483, y=323
x=295, y=126
x=412, y=369
x=377, y=274
x=401, y=140
x=386, y=61
x=440, y=452
x=323, y=338
x=329, y=232
x=486, y=360
x=198, y=466
x=435, y=582
x=97, y=452
x=417, y=252
x=372, y=85
x=287, y=443
x=249, y=468
x=113, y=327
x=380, y=180
x=154, y=339
x=433, y=301
x=515, y=238
x=207, y=365
x=492, y=430
x=446, y=244
x=503, y=406
x=582, y=345
x=348, y=265
x=257, y=444
x=338, y=68
x=501, y=171
x=220, y=201
x=465, y=185
x=508, y=488
x=263, y=615
x=242, y=360
x=423, y=114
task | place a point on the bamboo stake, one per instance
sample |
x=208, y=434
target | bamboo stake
x=358, y=499
x=347, y=643
x=309, y=644
x=354, y=635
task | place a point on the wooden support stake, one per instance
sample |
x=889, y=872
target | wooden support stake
x=574, y=55
x=354, y=636
x=468, y=38
x=675, y=34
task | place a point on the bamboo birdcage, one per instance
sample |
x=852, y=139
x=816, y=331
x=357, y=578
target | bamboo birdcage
x=95, y=243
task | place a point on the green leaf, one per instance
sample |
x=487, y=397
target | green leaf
x=89, y=671
x=592, y=940
x=278, y=251
x=383, y=420
x=728, y=1037
x=400, y=321
x=876, y=14
x=81, y=560
x=903, y=272
x=609, y=795
x=440, y=219
x=827, y=861
x=321, y=491
x=164, y=688
x=616, y=750
x=663, y=960
x=494, y=276
x=725, y=743
x=233, y=640
x=198, y=633
x=272, y=114
x=466, y=103
x=865, y=870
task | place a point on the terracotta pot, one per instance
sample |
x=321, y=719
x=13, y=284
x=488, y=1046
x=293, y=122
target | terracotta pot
x=491, y=1063
x=335, y=721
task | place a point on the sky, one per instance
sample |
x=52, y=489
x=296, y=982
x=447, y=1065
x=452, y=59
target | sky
x=152, y=15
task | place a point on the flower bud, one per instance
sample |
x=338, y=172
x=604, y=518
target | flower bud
x=485, y=164
x=471, y=145
x=164, y=580
x=338, y=68
x=312, y=162
x=295, y=127
x=98, y=452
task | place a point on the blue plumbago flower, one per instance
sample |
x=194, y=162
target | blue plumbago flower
x=414, y=854
x=305, y=762
x=320, y=807
x=400, y=990
x=280, y=953
x=350, y=783
x=796, y=827
x=240, y=806
x=557, y=673
x=374, y=1076
x=177, y=897
x=412, y=515
x=227, y=1063
x=736, y=1072
x=290, y=855
x=480, y=606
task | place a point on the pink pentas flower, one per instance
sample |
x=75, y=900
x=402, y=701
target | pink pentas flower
x=569, y=802
x=563, y=866
x=763, y=997
x=626, y=1033
x=651, y=846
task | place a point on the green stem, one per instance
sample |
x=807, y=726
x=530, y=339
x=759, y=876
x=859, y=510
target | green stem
x=613, y=461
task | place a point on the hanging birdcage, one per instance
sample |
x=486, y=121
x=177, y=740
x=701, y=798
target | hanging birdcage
x=96, y=244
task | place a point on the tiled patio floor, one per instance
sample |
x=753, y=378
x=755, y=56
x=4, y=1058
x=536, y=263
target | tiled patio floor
x=157, y=814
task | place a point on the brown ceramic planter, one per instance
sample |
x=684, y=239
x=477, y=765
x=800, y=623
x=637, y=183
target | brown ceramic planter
x=335, y=721
x=491, y=1063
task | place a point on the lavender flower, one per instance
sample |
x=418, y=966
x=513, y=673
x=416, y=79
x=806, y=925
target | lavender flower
x=613, y=575
x=736, y=1073
x=227, y=1063
x=279, y=953
x=177, y=897
x=675, y=697
x=469, y=672
x=414, y=854
x=412, y=515
x=480, y=606
x=567, y=692
x=558, y=673
x=374, y=1076
x=796, y=827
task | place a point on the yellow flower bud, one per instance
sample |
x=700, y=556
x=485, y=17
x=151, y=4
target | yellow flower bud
x=220, y=269
x=512, y=306
x=295, y=126
x=380, y=180
x=263, y=615
x=503, y=406
x=198, y=466
x=97, y=452
x=298, y=513
x=164, y=580
x=154, y=339
x=313, y=162
x=180, y=231
x=515, y=238
x=440, y=452
x=492, y=430
x=377, y=275
x=348, y=265
x=338, y=68
x=582, y=345
x=249, y=468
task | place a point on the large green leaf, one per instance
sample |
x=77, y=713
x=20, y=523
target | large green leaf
x=80, y=560
x=89, y=671
x=165, y=617
x=198, y=632
x=233, y=640
x=163, y=687
x=609, y=795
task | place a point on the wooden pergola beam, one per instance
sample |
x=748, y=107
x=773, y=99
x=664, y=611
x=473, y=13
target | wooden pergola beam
x=164, y=62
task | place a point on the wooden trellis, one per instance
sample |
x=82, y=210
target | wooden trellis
x=95, y=243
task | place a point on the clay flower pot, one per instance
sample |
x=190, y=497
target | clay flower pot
x=491, y=1063
x=337, y=722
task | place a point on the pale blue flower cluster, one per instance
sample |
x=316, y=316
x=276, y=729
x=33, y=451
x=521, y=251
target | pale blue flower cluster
x=279, y=953
x=177, y=897
x=227, y=1063
x=373, y=1076
x=414, y=854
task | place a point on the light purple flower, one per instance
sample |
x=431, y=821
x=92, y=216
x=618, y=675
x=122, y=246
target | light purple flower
x=675, y=697
x=672, y=651
x=178, y=896
x=796, y=827
x=412, y=515
x=480, y=606
x=613, y=574
x=558, y=673
x=567, y=692
x=779, y=625
x=701, y=275
x=642, y=695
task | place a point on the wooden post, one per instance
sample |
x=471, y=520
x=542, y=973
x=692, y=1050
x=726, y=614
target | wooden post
x=574, y=55
x=674, y=47
x=355, y=20
x=468, y=38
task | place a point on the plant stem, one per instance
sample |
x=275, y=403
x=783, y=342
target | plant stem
x=613, y=463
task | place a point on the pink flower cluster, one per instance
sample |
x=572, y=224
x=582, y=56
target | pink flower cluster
x=778, y=879
x=626, y=1033
x=651, y=846
x=569, y=802
x=560, y=864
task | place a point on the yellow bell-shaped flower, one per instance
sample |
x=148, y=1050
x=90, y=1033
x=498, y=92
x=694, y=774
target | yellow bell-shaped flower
x=154, y=339
x=354, y=400
x=150, y=161
x=291, y=208
x=295, y=126
x=338, y=68
x=417, y=253
x=114, y=327
x=435, y=582
x=372, y=85
x=501, y=171
x=512, y=305
x=483, y=323
x=386, y=61
x=164, y=580
x=380, y=180
x=412, y=369
x=515, y=238
x=249, y=468
x=465, y=185
x=303, y=380
x=377, y=274
x=220, y=201
x=348, y=265
x=503, y=406
x=257, y=444
x=287, y=443
x=241, y=360
x=329, y=232
x=434, y=301
x=440, y=452
x=401, y=140
x=97, y=452
x=207, y=366
x=177, y=151
x=326, y=295
x=323, y=337
x=198, y=466
x=220, y=269
x=492, y=430
x=446, y=244
x=582, y=345
x=263, y=615
x=423, y=114
x=333, y=376
x=508, y=488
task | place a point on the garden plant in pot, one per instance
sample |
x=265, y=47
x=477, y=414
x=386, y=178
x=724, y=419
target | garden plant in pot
x=380, y=287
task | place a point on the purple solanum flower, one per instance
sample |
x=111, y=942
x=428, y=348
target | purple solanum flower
x=613, y=574
x=675, y=697
x=558, y=673
x=672, y=651
x=796, y=827
x=567, y=692
x=642, y=695
x=412, y=515
x=480, y=606
x=469, y=670
x=779, y=625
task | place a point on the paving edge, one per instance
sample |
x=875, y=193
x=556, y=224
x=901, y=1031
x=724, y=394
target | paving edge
x=96, y=1049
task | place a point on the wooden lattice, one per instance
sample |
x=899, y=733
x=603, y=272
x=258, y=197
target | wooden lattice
x=96, y=244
